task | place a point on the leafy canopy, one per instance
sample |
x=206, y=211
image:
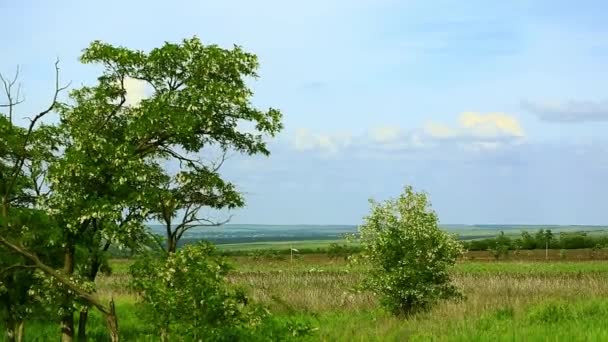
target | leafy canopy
x=115, y=151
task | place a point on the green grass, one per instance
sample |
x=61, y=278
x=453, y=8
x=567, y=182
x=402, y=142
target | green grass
x=132, y=328
x=553, y=320
x=505, y=301
x=550, y=321
x=321, y=263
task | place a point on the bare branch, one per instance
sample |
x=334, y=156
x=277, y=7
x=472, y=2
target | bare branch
x=187, y=223
x=218, y=164
x=8, y=91
x=181, y=158
x=21, y=160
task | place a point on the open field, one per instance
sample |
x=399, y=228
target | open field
x=505, y=301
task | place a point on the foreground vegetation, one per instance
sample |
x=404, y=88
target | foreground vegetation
x=504, y=300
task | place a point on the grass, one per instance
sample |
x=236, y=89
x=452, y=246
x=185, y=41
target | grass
x=505, y=301
x=580, y=321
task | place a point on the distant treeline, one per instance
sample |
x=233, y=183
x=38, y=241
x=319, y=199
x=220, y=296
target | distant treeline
x=500, y=244
x=334, y=250
x=540, y=240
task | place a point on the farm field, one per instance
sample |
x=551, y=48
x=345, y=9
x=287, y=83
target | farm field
x=518, y=299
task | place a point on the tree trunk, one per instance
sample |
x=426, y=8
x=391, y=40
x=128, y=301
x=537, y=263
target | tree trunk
x=67, y=282
x=67, y=327
x=547, y=250
x=20, y=330
x=82, y=324
x=172, y=244
x=67, y=320
x=164, y=335
x=11, y=332
x=84, y=313
x=112, y=323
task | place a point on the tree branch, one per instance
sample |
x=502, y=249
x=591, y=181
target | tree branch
x=180, y=158
x=15, y=266
x=186, y=223
x=21, y=160
x=123, y=100
x=158, y=241
x=8, y=90
x=65, y=280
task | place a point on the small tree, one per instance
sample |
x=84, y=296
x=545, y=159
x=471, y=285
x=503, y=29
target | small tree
x=548, y=237
x=501, y=246
x=540, y=238
x=410, y=256
x=528, y=241
x=185, y=296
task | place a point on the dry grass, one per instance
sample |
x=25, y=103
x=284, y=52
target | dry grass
x=316, y=283
x=320, y=288
x=331, y=291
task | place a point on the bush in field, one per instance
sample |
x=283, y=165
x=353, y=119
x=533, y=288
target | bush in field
x=410, y=256
x=185, y=296
x=500, y=246
x=340, y=251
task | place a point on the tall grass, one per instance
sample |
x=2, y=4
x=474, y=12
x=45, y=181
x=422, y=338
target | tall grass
x=505, y=301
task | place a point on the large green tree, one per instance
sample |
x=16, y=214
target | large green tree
x=111, y=168
x=24, y=156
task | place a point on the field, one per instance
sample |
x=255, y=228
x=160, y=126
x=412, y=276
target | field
x=522, y=298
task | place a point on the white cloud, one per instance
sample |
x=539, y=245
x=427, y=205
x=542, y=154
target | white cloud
x=474, y=126
x=136, y=91
x=386, y=134
x=568, y=112
x=439, y=131
x=491, y=125
x=472, y=132
x=306, y=140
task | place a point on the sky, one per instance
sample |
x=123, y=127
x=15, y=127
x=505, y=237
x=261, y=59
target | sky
x=496, y=109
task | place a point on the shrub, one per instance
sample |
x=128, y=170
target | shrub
x=410, y=256
x=186, y=292
x=341, y=251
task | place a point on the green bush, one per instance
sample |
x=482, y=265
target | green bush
x=184, y=295
x=341, y=251
x=410, y=256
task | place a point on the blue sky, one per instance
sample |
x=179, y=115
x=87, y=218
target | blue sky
x=496, y=108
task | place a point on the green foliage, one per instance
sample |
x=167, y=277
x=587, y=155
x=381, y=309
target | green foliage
x=574, y=240
x=528, y=242
x=186, y=296
x=103, y=166
x=500, y=246
x=22, y=221
x=410, y=256
x=341, y=250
